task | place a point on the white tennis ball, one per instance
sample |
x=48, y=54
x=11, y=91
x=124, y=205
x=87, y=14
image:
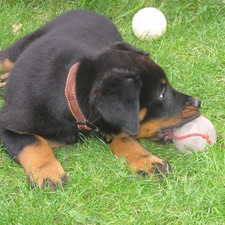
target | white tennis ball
x=149, y=23
x=195, y=135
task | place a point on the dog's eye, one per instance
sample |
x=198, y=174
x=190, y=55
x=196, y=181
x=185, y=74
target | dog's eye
x=163, y=93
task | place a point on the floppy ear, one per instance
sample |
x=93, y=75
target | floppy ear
x=124, y=46
x=118, y=103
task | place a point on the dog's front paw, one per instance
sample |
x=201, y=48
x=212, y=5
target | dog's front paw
x=149, y=164
x=138, y=158
x=160, y=169
x=49, y=174
x=41, y=166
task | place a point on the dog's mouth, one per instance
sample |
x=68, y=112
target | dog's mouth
x=165, y=136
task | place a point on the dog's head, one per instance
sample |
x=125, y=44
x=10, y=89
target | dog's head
x=132, y=94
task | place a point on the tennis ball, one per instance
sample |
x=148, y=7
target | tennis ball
x=195, y=135
x=149, y=23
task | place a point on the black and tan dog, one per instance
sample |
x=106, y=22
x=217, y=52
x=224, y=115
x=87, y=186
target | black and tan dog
x=76, y=75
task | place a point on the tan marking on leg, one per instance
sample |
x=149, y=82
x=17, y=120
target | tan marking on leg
x=40, y=164
x=137, y=157
x=2, y=84
x=6, y=65
x=3, y=78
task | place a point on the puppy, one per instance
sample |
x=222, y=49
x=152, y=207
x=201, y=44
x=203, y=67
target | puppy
x=76, y=75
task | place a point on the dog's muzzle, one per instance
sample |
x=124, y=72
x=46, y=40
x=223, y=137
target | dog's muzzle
x=194, y=102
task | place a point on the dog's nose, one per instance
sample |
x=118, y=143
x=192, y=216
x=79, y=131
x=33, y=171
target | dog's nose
x=194, y=101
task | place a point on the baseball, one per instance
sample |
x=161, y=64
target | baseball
x=149, y=23
x=195, y=135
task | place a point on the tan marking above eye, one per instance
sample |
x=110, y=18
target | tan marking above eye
x=164, y=81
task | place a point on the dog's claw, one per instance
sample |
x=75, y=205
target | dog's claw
x=162, y=170
x=159, y=169
x=47, y=182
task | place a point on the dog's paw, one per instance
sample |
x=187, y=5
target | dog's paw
x=41, y=166
x=149, y=165
x=50, y=174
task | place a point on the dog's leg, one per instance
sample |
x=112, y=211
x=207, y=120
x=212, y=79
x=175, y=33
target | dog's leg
x=138, y=158
x=9, y=55
x=5, y=65
x=3, y=79
x=36, y=157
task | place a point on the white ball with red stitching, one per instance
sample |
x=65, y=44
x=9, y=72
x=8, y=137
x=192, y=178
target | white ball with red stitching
x=195, y=135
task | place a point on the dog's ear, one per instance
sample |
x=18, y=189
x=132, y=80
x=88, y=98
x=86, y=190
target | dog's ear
x=124, y=46
x=117, y=100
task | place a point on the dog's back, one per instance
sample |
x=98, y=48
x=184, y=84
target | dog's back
x=76, y=25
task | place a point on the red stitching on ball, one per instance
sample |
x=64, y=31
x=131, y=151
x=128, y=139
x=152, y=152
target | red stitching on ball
x=205, y=136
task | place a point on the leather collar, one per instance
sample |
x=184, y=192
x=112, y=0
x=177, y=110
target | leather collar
x=70, y=93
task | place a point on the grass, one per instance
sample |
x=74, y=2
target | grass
x=100, y=188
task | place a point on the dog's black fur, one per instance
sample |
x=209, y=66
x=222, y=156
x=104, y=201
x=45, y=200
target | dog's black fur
x=120, y=90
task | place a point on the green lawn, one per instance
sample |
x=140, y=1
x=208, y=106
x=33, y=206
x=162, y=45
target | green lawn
x=100, y=189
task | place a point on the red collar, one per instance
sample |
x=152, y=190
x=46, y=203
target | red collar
x=70, y=93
